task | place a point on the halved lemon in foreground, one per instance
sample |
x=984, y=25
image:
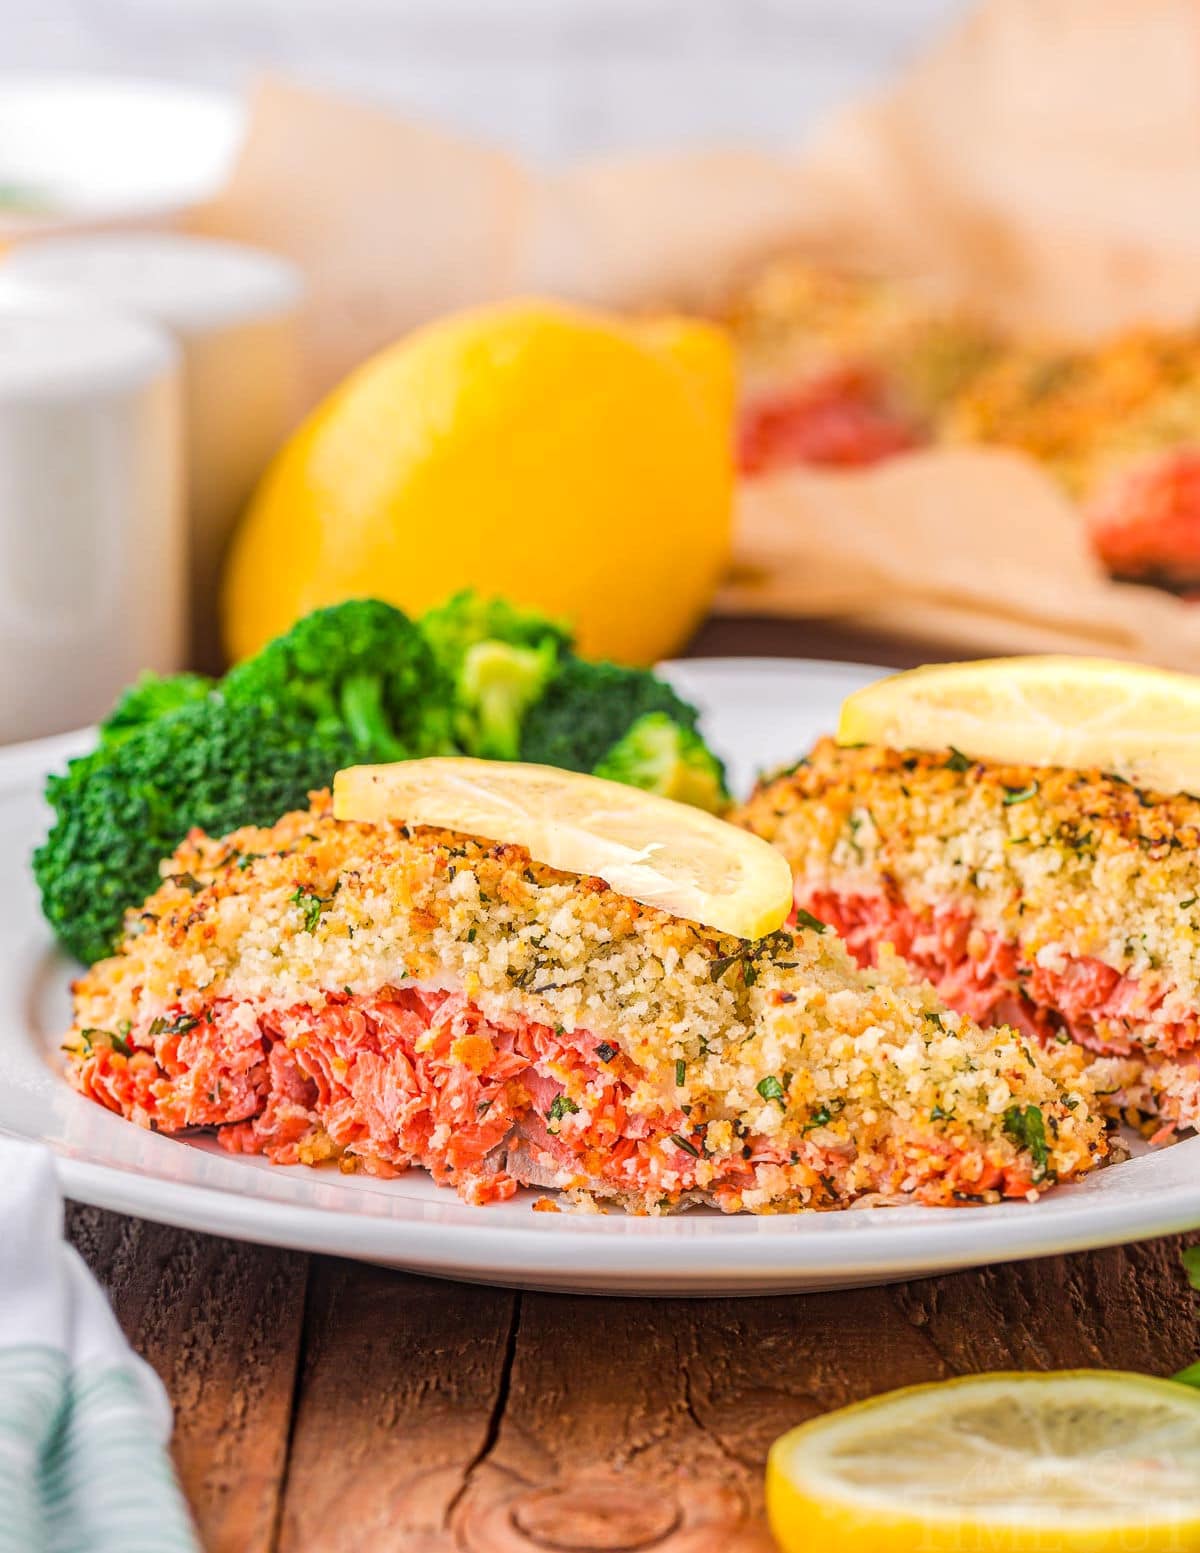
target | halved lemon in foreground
x=652, y=849
x=1072, y=1461
x=1141, y=723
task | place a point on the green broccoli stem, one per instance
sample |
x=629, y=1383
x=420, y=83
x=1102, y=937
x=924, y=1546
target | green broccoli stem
x=363, y=712
x=497, y=684
x=499, y=729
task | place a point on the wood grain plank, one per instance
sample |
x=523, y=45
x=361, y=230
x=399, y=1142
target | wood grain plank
x=401, y=1380
x=639, y=1424
x=439, y=1418
x=631, y=1425
x=1129, y=1307
x=221, y=1322
x=600, y=1445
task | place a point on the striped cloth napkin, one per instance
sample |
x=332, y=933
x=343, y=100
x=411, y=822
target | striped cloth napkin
x=84, y=1422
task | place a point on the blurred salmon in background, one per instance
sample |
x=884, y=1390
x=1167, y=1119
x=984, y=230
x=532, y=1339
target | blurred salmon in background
x=845, y=370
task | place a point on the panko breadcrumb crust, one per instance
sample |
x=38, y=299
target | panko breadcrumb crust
x=1068, y=865
x=841, y=1083
x=797, y=321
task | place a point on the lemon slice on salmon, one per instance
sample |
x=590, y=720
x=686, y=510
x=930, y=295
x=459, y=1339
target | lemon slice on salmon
x=1076, y=1460
x=658, y=852
x=1141, y=723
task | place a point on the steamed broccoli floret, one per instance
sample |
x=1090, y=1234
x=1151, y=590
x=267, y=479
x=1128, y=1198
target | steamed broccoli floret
x=467, y=618
x=521, y=693
x=664, y=757
x=496, y=686
x=499, y=659
x=123, y=808
x=152, y=697
x=588, y=707
x=353, y=683
x=362, y=665
x=349, y=684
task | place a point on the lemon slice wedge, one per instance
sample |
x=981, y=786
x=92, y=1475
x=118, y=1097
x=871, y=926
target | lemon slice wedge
x=655, y=851
x=1074, y=1460
x=1141, y=723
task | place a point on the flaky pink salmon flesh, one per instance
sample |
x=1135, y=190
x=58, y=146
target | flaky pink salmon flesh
x=1145, y=522
x=417, y=1077
x=991, y=980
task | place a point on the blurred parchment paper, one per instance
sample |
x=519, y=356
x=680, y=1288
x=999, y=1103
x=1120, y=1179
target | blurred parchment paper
x=394, y=223
x=1042, y=161
x=1040, y=164
x=391, y=222
x=969, y=545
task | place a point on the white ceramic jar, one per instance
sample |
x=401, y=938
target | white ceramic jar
x=233, y=311
x=91, y=511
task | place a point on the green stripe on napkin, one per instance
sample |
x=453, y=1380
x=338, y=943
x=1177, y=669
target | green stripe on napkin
x=82, y=1469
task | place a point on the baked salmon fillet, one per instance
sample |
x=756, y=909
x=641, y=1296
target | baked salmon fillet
x=386, y=997
x=1061, y=903
x=844, y=370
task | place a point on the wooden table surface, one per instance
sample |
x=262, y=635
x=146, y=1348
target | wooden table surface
x=323, y=1406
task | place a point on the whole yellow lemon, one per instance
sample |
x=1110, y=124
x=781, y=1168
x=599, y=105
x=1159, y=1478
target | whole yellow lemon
x=568, y=461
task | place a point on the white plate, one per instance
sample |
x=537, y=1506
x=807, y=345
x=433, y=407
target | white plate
x=762, y=712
